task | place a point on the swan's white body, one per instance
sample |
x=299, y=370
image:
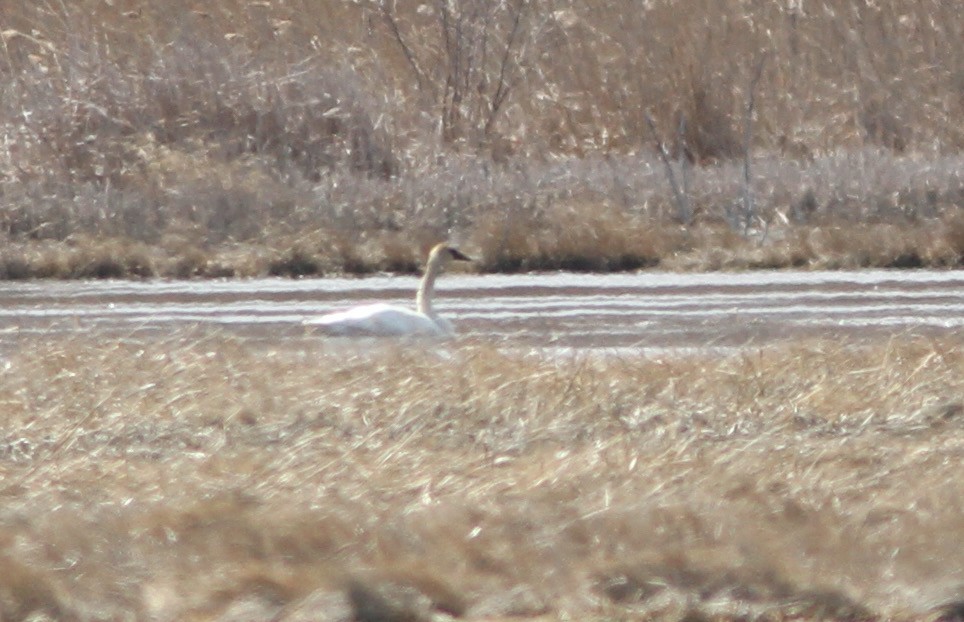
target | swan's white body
x=383, y=320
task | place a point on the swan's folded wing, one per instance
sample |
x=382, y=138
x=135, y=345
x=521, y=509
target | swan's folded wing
x=378, y=320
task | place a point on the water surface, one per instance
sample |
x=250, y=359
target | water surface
x=578, y=311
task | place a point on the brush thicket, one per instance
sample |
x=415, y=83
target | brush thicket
x=201, y=131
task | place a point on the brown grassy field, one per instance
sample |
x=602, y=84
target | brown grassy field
x=303, y=137
x=200, y=477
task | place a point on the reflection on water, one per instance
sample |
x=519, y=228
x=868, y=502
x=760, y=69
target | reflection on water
x=559, y=311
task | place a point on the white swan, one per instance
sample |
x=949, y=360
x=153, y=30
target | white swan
x=383, y=320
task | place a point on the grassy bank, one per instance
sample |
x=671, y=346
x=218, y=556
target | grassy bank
x=317, y=137
x=547, y=234
x=199, y=477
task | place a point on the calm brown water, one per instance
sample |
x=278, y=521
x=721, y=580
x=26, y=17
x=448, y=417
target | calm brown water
x=566, y=311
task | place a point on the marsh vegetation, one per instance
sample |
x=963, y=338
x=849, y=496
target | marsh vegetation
x=307, y=138
x=200, y=477
x=195, y=474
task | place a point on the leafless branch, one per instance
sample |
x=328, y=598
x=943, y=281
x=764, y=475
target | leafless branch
x=682, y=204
x=389, y=15
x=749, y=209
x=502, y=88
x=682, y=150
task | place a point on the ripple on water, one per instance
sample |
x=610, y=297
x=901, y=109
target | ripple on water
x=644, y=312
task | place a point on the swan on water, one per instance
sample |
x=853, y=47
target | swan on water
x=383, y=320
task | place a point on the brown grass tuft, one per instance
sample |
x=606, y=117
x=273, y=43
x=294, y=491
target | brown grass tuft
x=202, y=476
x=579, y=239
x=26, y=593
x=954, y=236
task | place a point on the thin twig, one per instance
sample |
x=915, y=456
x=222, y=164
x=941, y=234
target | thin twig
x=682, y=150
x=682, y=205
x=502, y=89
x=749, y=209
x=389, y=16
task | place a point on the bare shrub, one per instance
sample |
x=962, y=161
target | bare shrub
x=246, y=125
x=465, y=58
x=710, y=134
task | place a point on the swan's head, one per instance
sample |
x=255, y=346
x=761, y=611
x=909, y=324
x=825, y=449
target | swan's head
x=443, y=253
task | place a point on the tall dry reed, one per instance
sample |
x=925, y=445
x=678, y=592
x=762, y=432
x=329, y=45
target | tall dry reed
x=199, y=131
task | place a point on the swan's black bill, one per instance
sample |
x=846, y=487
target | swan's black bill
x=457, y=254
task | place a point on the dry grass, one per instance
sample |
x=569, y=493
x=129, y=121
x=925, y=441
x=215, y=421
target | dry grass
x=185, y=141
x=201, y=477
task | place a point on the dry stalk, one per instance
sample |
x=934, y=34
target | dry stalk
x=683, y=210
x=749, y=207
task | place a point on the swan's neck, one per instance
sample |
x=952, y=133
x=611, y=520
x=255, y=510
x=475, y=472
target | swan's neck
x=426, y=289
